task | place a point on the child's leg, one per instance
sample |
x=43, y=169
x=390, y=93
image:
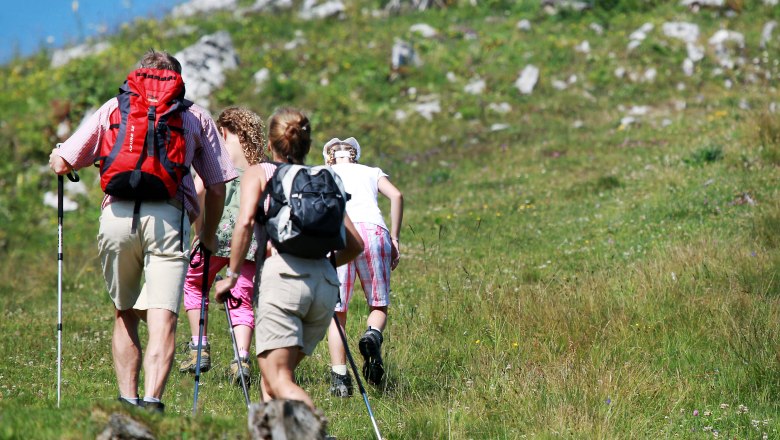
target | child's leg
x=338, y=356
x=374, y=272
x=377, y=318
x=193, y=286
x=243, y=316
x=373, y=268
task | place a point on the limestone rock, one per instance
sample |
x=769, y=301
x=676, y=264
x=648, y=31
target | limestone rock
x=122, y=427
x=194, y=7
x=286, y=420
x=527, y=79
x=205, y=65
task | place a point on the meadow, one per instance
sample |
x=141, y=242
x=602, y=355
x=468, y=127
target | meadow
x=566, y=274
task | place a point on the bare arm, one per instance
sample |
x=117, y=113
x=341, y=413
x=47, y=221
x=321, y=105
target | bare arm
x=213, y=205
x=252, y=185
x=387, y=189
x=200, y=190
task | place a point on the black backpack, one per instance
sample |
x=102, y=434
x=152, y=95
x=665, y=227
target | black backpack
x=306, y=211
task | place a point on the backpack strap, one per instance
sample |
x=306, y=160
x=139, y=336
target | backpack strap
x=262, y=216
x=136, y=216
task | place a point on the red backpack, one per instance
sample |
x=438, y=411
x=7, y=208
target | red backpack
x=142, y=155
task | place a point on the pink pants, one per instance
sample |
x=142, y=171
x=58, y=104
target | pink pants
x=241, y=315
x=372, y=267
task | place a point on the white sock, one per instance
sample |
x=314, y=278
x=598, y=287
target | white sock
x=205, y=340
x=130, y=400
x=151, y=399
x=339, y=369
x=243, y=354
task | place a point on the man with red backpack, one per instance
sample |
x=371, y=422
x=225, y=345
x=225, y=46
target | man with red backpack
x=144, y=142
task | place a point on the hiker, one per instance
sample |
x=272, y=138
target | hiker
x=296, y=295
x=144, y=238
x=243, y=133
x=379, y=257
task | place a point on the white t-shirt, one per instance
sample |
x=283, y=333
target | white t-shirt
x=361, y=182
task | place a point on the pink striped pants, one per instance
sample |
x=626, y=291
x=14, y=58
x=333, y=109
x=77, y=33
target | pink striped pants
x=372, y=266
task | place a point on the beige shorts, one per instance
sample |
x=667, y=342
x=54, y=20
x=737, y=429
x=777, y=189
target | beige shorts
x=156, y=253
x=295, y=303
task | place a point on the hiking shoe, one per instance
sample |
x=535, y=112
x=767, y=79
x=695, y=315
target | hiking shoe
x=128, y=403
x=189, y=365
x=153, y=407
x=235, y=378
x=370, y=346
x=340, y=385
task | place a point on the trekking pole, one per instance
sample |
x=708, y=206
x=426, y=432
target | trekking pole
x=235, y=344
x=204, y=292
x=357, y=376
x=73, y=177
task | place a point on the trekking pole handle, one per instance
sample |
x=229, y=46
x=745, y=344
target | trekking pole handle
x=231, y=301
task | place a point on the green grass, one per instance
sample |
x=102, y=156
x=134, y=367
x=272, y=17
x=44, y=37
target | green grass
x=591, y=282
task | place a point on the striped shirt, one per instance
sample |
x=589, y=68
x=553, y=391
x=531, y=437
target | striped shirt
x=205, y=151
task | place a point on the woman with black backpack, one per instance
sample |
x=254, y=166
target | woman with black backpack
x=297, y=295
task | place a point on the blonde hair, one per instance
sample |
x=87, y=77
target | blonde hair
x=249, y=128
x=289, y=133
x=332, y=152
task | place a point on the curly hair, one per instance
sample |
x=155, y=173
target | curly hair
x=341, y=146
x=289, y=133
x=249, y=128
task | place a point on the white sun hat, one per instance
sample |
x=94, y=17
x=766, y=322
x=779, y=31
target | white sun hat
x=352, y=142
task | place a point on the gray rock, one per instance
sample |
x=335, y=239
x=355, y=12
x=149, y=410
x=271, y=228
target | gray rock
x=286, y=420
x=475, y=87
x=62, y=57
x=766, y=33
x=527, y=79
x=266, y=6
x=311, y=10
x=428, y=106
x=122, y=427
x=687, y=32
x=194, y=7
x=424, y=30
x=725, y=42
x=695, y=5
x=524, y=25
x=205, y=65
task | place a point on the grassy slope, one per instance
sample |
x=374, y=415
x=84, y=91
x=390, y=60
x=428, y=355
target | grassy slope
x=597, y=281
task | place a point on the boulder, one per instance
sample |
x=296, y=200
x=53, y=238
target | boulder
x=205, y=65
x=286, y=420
x=475, y=87
x=62, y=57
x=260, y=6
x=687, y=32
x=524, y=25
x=121, y=426
x=194, y=7
x=424, y=30
x=527, y=79
x=725, y=43
x=313, y=10
x=427, y=106
x=766, y=33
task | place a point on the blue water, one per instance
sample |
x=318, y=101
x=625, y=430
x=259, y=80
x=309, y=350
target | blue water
x=28, y=25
